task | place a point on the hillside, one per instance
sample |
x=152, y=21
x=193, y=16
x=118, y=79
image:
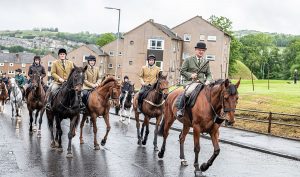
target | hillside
x=241, y=71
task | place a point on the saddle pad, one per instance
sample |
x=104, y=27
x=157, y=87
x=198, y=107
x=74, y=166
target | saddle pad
x=190, y=102
x=85, y=97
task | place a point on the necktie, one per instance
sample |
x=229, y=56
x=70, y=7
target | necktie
x=63, y=64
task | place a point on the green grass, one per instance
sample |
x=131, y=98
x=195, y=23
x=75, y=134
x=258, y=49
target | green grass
x=283, y=96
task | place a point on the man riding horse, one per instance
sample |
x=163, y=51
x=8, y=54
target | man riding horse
x=35, y=67
x=60, y=71
x=148, y=76
x=195, y=70
x=20, y=80
x=126, y=86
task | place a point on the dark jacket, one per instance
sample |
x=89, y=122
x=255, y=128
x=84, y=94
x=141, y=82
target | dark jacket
x=125, y=87
x=38, y=68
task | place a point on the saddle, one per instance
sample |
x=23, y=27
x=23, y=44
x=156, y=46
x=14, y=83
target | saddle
x=143, y=95
x=85, y=96
x=191, y=100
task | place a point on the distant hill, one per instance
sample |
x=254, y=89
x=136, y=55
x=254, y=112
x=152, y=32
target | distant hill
x=241, y=71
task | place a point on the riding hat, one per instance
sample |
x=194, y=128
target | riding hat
x=62, y=50
x=18, y=70
x=91, y=58
x=151, y=56
x=200, y=45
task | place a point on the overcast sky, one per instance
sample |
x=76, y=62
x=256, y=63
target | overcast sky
x=90, y=15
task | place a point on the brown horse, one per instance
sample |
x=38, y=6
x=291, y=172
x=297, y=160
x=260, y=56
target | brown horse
x=3, y=95
x=152, y=107
x=98, y=105
x=213, y=102
x=36, y=101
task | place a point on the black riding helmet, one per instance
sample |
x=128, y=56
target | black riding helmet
x=126, y=77
x=151, y=56
x=91, y=58
x=36, y=58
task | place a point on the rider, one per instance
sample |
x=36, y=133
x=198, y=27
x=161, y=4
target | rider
x=148, y=76
x=92, y=74
x=125, y=87
x=20, y=80
x=60, y=70
x=36, y=66
x=195, y=70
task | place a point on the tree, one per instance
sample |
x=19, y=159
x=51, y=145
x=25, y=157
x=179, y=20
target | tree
x=223, y=23
x=105, y=39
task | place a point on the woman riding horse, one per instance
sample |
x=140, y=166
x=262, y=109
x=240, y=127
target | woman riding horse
x=98, y=105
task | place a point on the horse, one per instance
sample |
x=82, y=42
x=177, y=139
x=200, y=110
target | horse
x=209, y=111
x=36, y=101
x=152, y=106
x=98, y=105
x=66, y=105
x=16, y=98
x=3, y=95
x=126, y=104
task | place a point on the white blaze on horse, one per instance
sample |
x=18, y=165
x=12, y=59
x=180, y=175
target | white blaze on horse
x=126, y=103
x=15, y=99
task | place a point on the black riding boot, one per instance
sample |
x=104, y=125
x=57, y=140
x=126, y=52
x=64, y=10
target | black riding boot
x=48, y=104
x=81, y=105
x=181, y=107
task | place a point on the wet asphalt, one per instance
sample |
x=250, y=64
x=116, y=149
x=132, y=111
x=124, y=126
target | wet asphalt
x=24, y=154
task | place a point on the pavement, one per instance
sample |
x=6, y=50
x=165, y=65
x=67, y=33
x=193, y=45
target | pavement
x=269, y=144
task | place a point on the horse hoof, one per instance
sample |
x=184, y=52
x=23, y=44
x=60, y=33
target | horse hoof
x=52, y=145
x=39, y=136
x=139, y=142
x=69, y=155
x=184, y=163
x=97, y=147
x=144, y=142
x=103, y=142
x=81, y=142
x=59, y=149
x=155, y=148
x=204, y=167
x=56, y=144
x=160, y=154
x=198, y=173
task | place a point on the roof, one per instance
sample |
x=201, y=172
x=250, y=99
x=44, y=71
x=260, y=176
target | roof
x=165, y=29
x=12, y=57
x=204, y=21
x=96, y=49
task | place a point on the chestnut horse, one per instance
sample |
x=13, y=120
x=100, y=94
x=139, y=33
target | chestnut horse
x=152, y=107
x=98, y=105
x=213, y=102
x=36, y=101
x=3, y=95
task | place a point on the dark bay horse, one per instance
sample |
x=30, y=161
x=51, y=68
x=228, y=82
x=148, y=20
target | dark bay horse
x=213, y=102
x=98, y=105
x=3, y=95
x=36, y=101
x=126, y=103
x=152, y=107
x=66, y=105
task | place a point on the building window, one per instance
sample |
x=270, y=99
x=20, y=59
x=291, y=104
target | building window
x=11, y=64
x=185, y=55
x=49, y=73
x=130, y=62
x=120, y=53
x=212, y=38
x=119, y=65
x=49, y=63
x=1, y=64
x=11, y=72
x=110, y=65
x=210, y=57
x=23, y=65
x=156, y=44
x=24, y=72
x=159, y=64
x=118, y=77
x=111, y=53
x=84, y=58
x=131, y=42
x=187, y=37
x=202, y=37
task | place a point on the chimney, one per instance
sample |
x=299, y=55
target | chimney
x=17, y=58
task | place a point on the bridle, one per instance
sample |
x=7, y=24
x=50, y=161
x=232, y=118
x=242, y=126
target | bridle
x=158, y=89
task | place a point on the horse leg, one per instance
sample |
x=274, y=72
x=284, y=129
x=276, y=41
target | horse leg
x=59, y=133
x=214, y=138
x=137, y=123
x=70, y=135
x=84, y=118
x=36, y=116
x=106, y=119
x=40, y=122
x=12, y=110
x=31, y=120
x=94, y=119
x=196, y=129
x=164, y=128
x=155, y=133
x=183, y=134
x=146, y=123
x=50, y=124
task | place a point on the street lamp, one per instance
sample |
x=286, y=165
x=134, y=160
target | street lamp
x=117, y=54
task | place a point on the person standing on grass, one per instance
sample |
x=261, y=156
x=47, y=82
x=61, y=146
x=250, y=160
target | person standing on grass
x=296, y=74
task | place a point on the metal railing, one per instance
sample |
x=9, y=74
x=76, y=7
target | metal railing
x=272, y=118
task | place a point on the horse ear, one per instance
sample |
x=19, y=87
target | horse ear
x=159, y=74
x=238, y=83
x=227, y=82
x=75, y=66
x=85, y=68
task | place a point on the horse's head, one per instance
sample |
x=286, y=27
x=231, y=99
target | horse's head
x=230, y=100
x=35, y=79
x=162, y=85
x=12, y=82
x=76, y=78
x=115, y=92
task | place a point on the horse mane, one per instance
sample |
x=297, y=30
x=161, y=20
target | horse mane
x=107, y=80
x=232, y=90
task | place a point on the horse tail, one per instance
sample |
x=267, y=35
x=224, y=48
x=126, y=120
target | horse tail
x=161, y=128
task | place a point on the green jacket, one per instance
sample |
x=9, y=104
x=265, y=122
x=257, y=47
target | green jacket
x=20, y=79
x=191, y=65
